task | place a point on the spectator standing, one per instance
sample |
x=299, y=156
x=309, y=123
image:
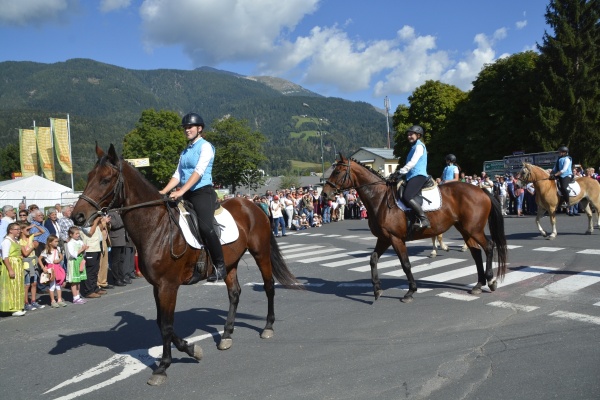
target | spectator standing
x=12, y=289
x=341, y=202
x=9, y=216
x=76, y=272
x=92, y=237
x=117, y=248
x=277, y=211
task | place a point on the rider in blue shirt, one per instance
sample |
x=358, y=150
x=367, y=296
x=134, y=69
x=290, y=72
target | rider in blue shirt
x=415, y=170
x=194, y=178
x=451, y=171
x=563, y=171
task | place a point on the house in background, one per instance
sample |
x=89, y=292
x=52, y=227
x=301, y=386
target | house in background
x=381, y=160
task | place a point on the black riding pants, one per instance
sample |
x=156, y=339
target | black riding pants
x=204, y=200
x=564, y=185
x=413, y=186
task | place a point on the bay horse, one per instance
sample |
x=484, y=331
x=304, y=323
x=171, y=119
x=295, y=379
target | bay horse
x=547, y=199
x=166, y=260
x=466, y=207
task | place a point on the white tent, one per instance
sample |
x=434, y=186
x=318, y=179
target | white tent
x=35, y=190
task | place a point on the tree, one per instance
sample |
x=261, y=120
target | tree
x=10, y=161
x=431, y=106
x=498, y=116
x=159, y=137
x=239, y=151
x=289, y=181
x=569, y=111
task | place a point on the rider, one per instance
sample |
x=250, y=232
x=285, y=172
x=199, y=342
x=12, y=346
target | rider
x=194, y=175
x=451, y=171
x=416, y=172
x=563, y=171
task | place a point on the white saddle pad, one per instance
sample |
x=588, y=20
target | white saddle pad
x=432, y=200
x=229, y=229
x=574, y=189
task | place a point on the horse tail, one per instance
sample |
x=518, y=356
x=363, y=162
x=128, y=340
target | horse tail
x=281, y=272
x=496, y=225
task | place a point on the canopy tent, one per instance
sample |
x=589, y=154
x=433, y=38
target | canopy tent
x=35, y=190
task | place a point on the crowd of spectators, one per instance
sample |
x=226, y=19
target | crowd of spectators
x=49, y=262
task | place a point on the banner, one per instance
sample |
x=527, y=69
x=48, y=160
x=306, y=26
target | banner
x=44, y=144
x=60, y=130
x=28, y=149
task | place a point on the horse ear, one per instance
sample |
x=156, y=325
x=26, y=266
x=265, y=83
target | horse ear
x=112, y=154
x=99, y=151
x=341, y=157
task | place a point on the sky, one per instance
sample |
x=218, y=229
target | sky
x=353, y=49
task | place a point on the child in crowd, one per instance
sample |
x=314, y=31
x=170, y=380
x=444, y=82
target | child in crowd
x=76, y=263
x=304, y=222
x=31, y=277
x=317, y=221
x=49, y=260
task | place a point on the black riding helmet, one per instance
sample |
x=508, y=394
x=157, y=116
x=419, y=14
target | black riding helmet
x=416, y=129
x=563, y=148
x=192, y=119
x=451, y=158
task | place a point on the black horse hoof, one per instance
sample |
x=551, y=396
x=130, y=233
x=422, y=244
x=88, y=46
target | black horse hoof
x=378, y=294
x=407, y=299
x=157, y=379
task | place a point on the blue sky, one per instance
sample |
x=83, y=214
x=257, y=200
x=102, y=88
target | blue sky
x=356, y=50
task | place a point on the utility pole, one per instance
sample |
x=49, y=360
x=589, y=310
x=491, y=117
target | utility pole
x=386, y=104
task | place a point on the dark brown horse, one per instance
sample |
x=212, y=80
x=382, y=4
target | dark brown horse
x=466, y=207
x=164, y=257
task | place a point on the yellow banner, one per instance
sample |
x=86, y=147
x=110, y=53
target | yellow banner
x=28, y=148
x=61, y=143
x=44, y=143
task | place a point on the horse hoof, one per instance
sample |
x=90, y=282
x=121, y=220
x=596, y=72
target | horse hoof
x=407, y=299
x=432, y=255
x=157, y=380
x=267, y=334
x=225, y=344
x=493, y=285
x=463, y=249
x=378, y=293
x=476, y=291
x=446, y=248
x=588, y=232
x=197, y=352
x=551, y=237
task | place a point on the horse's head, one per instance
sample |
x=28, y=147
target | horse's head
x=104, y=188
x=339, y=179
x=531, y=173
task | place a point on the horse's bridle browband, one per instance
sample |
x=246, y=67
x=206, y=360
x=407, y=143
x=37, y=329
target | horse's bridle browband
x=118, y=192
x=347, y=177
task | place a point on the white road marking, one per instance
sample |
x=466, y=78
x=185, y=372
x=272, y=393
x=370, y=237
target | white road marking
x=304, y=254
x=512, y=246
x=512, y=306
x=576, y=317
x=443, y=277
x=355, y=285
x=352, y=261
x=549, y=249
x=426, y=267
x=331, y=256
x=589, y=251
x=458, y=296
x=300, y=249
x=566, y=286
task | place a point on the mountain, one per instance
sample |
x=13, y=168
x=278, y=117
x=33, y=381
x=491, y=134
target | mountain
x=104, y=102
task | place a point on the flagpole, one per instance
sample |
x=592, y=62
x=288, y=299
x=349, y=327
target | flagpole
x=70, y=151
x=39, y=157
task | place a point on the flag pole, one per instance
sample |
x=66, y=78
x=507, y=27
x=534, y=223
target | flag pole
x=70, y=151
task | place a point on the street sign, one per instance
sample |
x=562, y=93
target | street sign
x=495, y=167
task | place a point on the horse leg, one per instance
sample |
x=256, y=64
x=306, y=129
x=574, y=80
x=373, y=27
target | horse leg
x=380, y=247
x=552, y=214
x=538, y=217
x=434, y=251
x=588, y=211
x=402, y=253
x=475, y=249
x=269, y=287
x=165, y=297
x=233, y=291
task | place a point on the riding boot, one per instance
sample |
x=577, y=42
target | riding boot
x=213, y=245
x=424, y=221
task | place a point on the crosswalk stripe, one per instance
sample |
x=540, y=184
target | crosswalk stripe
x=566, y=286
x=352, y=261
x=303, y=254
x=444, y=277
x=301, y=248
x=369, y=238
x=576, y=317
x=331, y=256
x=589, y=251
x=518, y=275
x=512, y=246
x=387, y=264
x=355, y=285
x=351, y=236
x=290, y=246
x=549, y=249
x=457, y=296
x=317, y=234
x=332, y=236
x=512, y=306
x=426, y=267
x=301, y=234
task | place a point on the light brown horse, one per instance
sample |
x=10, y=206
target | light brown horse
x=547, y=199
x=466, y=207
x=165, y=259
x=439, y=240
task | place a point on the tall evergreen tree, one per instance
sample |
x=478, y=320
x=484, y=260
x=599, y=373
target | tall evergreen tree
x=569, y=66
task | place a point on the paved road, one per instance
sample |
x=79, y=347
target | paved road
x=536, y=337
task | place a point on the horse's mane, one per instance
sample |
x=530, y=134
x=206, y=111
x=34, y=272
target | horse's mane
x=535, y=167
x=368, y=168
x=104, y=160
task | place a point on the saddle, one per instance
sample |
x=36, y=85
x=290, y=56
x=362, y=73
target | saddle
x=201, y=269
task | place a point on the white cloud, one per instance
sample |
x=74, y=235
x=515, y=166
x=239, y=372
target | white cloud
x=35, y=12
x=112, y=5
x=521, y=24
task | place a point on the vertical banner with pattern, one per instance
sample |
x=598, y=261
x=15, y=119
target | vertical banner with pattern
x=28, y=149
x=60, y=129
x=44, y=143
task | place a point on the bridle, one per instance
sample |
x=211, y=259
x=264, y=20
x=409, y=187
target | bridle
x=347, y=177
x=118, y=192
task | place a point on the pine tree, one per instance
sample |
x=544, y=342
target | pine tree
x=570, y=92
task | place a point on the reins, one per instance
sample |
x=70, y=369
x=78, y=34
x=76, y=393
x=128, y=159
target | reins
x=118, y=192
